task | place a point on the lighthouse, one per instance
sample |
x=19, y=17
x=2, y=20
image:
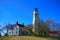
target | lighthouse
x=36, y=22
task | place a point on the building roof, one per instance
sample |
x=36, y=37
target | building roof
x=53, y=32
x=11, y=26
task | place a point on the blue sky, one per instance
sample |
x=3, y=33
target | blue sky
x=22, y=10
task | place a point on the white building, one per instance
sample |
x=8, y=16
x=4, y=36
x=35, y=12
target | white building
x=14, y=30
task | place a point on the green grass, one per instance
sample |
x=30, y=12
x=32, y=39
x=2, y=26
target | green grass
x=36, y=36
x=47, y=36
x=26, y=38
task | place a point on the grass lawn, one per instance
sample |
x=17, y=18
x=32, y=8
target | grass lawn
x=26, y=38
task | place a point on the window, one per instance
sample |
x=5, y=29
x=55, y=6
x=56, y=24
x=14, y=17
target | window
x=16, y=32
x=9, y=32
x=12, y=33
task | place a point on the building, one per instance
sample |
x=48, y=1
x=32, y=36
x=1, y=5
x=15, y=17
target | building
x=17, y=29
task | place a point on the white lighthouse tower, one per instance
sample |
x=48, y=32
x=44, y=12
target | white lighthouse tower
x=36, y=21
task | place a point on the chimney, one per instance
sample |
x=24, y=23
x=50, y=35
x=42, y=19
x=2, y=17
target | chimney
x=17, y=22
